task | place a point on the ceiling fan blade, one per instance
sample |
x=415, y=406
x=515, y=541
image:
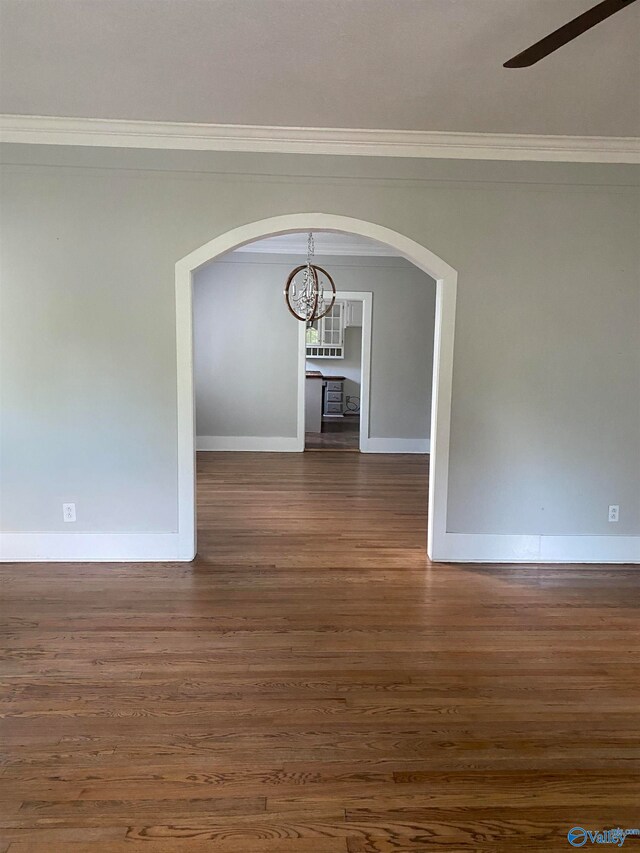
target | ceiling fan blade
x=567, y=33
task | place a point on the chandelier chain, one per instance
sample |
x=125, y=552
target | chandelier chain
x=310, y=248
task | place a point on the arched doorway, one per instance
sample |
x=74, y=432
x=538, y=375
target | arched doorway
x=446, y=280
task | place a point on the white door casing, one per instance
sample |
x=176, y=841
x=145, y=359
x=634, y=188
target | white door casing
x=446, y=280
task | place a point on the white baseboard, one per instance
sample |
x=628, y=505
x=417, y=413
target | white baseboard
x=396, y=445
x=490, y=548
x=450, y=548
x=250, y=443
x=93, y=547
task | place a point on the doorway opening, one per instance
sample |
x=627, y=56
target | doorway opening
x=418, y=255
x=338, y=375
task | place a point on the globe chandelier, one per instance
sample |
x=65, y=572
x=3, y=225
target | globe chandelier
x=310, y=291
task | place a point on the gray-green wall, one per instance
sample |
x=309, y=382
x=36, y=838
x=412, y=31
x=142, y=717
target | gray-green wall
x=545, y=428
x=246, y=345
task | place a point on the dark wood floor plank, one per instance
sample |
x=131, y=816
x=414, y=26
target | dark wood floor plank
x=312, y=684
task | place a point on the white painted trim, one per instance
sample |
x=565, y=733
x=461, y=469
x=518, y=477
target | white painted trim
x=187, y=520
x=119, y=133
x=302, y=364
x=91, y=547
x=365, y=370
x=249, y=443
x=441, y=392
x=457, y=547
x=487, y=548
x=446, y=279
x=397, y=445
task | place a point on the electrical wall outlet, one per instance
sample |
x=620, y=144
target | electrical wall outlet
x=69, y=512
x=614, y=513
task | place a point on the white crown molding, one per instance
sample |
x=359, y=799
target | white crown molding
x=117, y=133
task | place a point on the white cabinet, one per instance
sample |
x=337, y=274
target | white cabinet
x=332, y=326
x=325, y=337
x=353, y=313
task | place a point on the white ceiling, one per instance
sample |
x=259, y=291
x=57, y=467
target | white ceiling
x=326, y=243
x=433, y=65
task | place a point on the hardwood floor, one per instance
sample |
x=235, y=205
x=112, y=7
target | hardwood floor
x=339, y=434
x=311, y=684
